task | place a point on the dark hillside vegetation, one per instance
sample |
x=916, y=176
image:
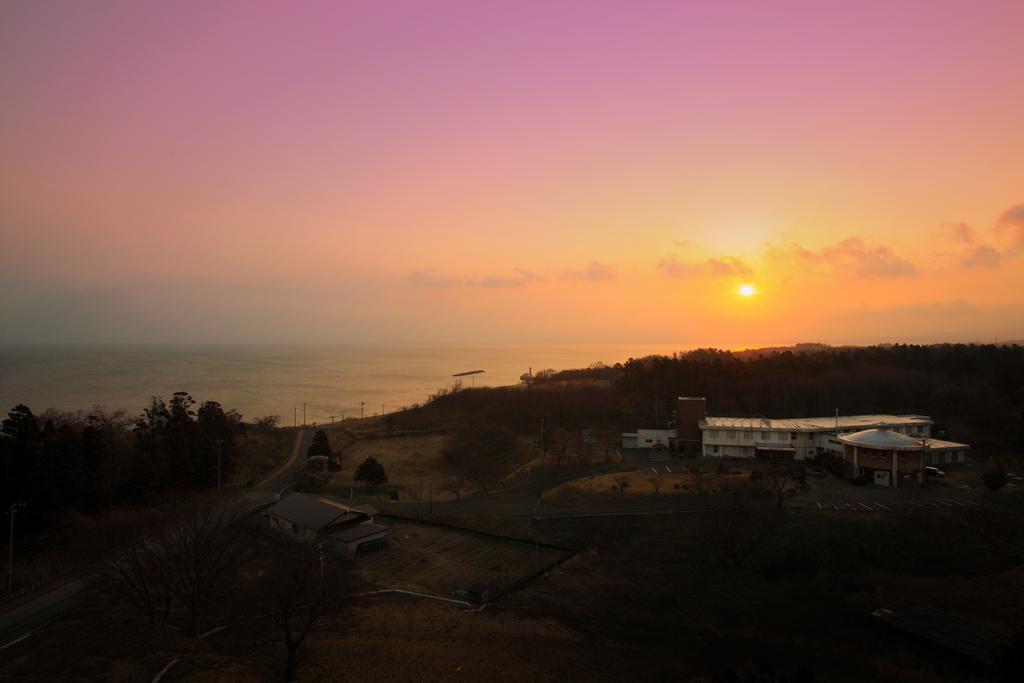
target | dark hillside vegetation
x=975, y=393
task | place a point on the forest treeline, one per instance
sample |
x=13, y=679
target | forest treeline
x=973, y=392
x=61, y=462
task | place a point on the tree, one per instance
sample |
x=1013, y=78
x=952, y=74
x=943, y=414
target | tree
x=455, y=486
x=995, y=478
x=481, y=453
x=779, y=477
x=137, y=574
x=196, y=554
x=21, y=426
x=266, y=424
x=699, y=472
x=320, y=445
x=622, y=482
x=294, y=591
x=371, y=472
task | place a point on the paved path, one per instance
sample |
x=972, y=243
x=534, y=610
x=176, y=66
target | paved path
x=19, y=622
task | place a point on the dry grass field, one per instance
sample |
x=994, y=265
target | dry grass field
x=414, y=464
x=608, y=488
x=411, y=463
x=395, y=639
x=446, y=561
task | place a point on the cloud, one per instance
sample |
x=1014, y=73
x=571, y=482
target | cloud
x=520, y=278
x=975, y=253
x=431, y=279
x=595, y=271
x=724, y=266
x=685, y=244
x=1009, y=229
x=853, y=255
x=981, y=256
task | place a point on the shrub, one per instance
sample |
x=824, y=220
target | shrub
x=371, y=472
x=995, y=478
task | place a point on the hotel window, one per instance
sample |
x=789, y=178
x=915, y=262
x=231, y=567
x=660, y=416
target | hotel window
x=730, y=435
x=748, y=436
x=713, y=434
x=792, y=436
x=714, y=449
x=764, y=436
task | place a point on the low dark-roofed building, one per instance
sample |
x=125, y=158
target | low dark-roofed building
x=346, y=527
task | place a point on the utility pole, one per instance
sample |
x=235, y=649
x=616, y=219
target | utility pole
x=295, y=416
x=220, y=442
x=331, y=437
x=381, y=408
x=361, y=404
x=10, y=550
x=321, y=548
x=303, y=413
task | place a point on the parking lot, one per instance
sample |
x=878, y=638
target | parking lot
x=840, y=495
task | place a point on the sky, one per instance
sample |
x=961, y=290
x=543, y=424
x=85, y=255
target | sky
x=513, y=173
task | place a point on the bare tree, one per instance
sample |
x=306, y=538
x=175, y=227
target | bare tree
x=481, y=453
x=456, y=486
x=699, y=472
x=294, y=591
x=197, y=553
x=779, y=477
x=136, y=574
x=622, y=481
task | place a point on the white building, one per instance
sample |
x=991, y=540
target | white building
x=796, y=438
x=884, y=456
x=648, y=438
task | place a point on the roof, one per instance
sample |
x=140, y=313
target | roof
x=312, y=512
x=795, y=424
x=354, y=533
x=365, y=509
x=883, y=439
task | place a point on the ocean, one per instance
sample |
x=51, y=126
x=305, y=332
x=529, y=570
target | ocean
x=273, y=380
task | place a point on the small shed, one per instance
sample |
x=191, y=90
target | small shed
x=361, y=538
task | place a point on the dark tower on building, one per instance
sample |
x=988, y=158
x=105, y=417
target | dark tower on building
x=690, y=412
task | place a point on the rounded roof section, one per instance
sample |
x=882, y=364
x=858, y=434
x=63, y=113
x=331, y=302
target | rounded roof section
x=882, y=439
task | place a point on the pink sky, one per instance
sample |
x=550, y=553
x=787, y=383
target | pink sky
x=478, y=172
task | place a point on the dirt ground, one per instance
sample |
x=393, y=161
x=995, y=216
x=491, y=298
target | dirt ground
x=605, y=488
x=445, y=561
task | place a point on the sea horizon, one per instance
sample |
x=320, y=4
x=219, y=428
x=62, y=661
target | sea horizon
x=258, y=378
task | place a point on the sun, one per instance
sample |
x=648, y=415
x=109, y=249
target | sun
x=747, y=290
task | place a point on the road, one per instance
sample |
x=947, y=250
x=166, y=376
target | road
x=28, y=614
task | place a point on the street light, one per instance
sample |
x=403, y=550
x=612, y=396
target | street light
x=361, y=404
